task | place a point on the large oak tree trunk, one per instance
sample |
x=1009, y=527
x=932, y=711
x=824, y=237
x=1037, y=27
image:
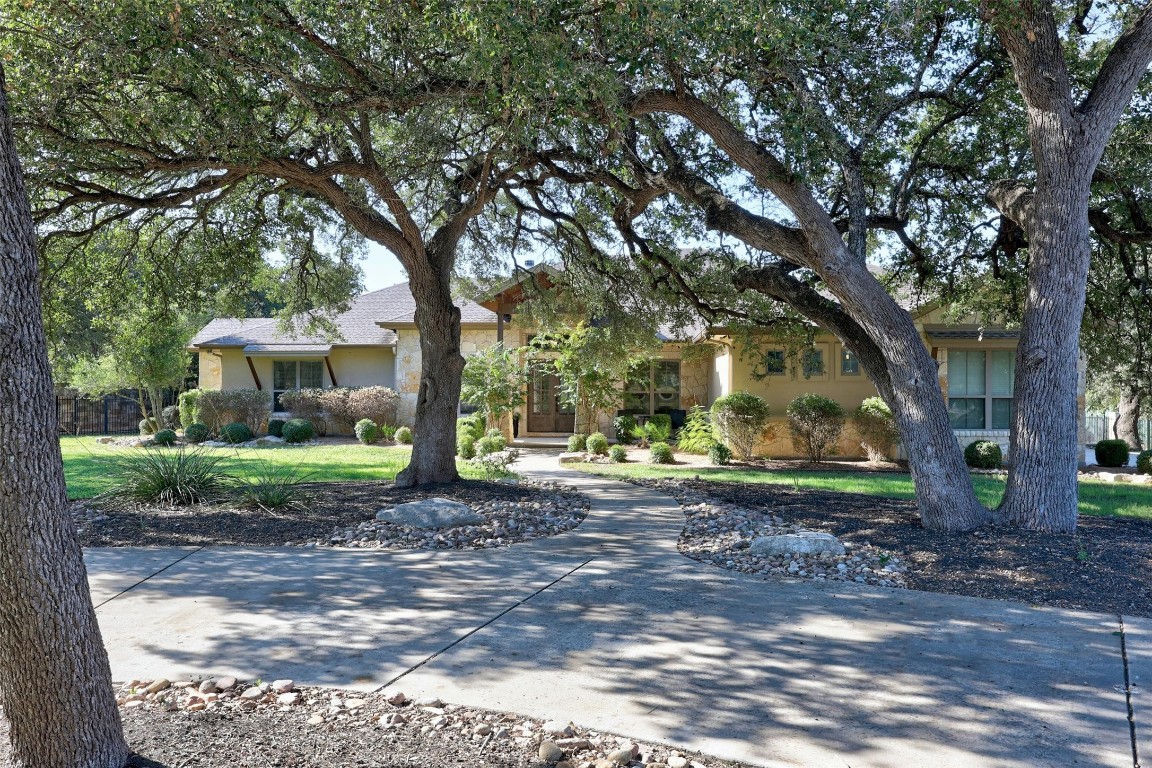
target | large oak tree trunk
x=1128, y=420
x=441, y=365
x=54, y=676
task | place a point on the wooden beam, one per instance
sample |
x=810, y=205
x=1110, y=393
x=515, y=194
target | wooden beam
x=255, y=376
x=331, y=375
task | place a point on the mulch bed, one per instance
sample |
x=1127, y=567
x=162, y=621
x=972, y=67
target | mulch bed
x=329, y=506
x=1104, y=566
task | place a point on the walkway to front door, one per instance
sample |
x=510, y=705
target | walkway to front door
x=546, y=410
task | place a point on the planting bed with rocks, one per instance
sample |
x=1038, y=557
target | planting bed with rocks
x=226, y=722
x=345, y=515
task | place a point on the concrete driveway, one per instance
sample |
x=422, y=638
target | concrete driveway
x=610, y=627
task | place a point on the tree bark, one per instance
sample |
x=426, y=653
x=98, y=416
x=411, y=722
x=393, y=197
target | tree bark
x=54, y=675
x=1128, y=421
x=441, y=365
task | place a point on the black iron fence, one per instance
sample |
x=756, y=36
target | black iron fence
x=107, y=415
x=1099, y=427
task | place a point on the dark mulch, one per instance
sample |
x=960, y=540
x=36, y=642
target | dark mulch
x=329, y=505
x=1104, y=566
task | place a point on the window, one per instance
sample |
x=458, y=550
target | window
x=849, y=363
x=980, y=388
x=812, y=363
x=774, y=363
x=653, y=388
x=294, y=374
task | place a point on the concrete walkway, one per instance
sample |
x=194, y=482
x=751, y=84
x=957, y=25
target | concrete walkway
x=610, y=627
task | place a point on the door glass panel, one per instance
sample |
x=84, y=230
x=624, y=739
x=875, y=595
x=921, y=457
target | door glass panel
x=541, y=390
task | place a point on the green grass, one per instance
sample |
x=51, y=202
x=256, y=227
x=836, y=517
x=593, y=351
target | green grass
x=1096, y=498
x=86, y=463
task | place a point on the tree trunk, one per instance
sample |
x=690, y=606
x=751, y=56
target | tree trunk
x=1128, y=421
x=54, y=675
x=441, y=365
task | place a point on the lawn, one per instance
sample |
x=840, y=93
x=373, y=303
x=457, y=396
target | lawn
x=1096, y=498
x=86, y=462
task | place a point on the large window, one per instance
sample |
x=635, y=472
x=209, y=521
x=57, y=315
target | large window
x=774, y=364
x=812, y=362
x=849, y=363
x=980, y=387
x=653, y=388
x=294, y=374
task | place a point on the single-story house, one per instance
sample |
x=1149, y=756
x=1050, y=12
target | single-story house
x=379, y=345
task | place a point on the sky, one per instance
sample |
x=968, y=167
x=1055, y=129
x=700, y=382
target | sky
x=381, y=268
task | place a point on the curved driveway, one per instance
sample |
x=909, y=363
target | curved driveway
x=610, y=627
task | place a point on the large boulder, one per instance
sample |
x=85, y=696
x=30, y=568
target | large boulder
x=803, y=543
x=431, y=513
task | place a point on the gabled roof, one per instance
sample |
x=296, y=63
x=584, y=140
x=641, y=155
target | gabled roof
x=366, y=322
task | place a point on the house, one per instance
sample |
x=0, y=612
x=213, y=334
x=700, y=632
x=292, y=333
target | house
x=379, y=344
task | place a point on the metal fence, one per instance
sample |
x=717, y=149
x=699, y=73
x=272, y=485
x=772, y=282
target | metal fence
x=1099, y=427
x=107, y=415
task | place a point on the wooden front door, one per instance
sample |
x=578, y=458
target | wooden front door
x=546, y=410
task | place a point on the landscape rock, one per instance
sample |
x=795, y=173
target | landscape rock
x=573, y=458
x=157, y=686
x=550, y=753
x=802, y=543
x=431, y=513
x=282, y=686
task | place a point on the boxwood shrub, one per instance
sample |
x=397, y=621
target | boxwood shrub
x=1144, y=463
x=196, y=432
x=276, y=427
x=164, y=437
x=983, y=454
x=1112, y=453
x=298, y=431
x=235, y=432
x=660, y=453
x=597, y=444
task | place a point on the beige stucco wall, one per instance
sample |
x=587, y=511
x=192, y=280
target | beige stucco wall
x=353, y=366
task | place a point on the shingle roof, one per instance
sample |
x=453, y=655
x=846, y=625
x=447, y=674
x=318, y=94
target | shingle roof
x=357, y=326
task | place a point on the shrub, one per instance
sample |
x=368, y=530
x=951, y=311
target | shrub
x=1112, y=453
x=576, y=442
x=625, y=425
x=387, y=432
x=235, y=433
x=618, y=454
x=196, y=432
x=297, y=431
x=660, y=453
x=983, y=454
x=271, y=486
x=346, y=406
x=719, y=454
x=815, y=422
x=597, y=444
x=658, y=430
x=276, y=427
x=306, y=404
x=148, y=426
x=465, y=446
x=496, y=464
x=404, y=436
x=741, y=418
x=165, y=477
x=1144, y=463
x=663, y=420
x=491, y=443
x=876, y=428
x=188, y=405
x=697, y=435
x=494, y=433
x=470, y=425
x=165, y=437
x=367, y=432
x=250, y=407
x=170, y=417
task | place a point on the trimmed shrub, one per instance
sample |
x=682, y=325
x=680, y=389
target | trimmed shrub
x=741, y=418
x=815, y=422
x=148, y=426
x=196, y=432
x=367, y=432
x=404, y=436
x=165, y=437
x=625, y=425
x=235, y=433
x=170, y=417
x=1144, y=463
x=1112, y=453
x=470, y=425
x=983, y=454
x=387, y=432
x=347, y=406
x=297, y=431
x=490, y=443
x=250, y=407
x=876, y=427
x=465, y=446
x=188, y=404
x=576, y=442
x=271, y=486
x=618, y=454
x=660, y=453
x=276, y=427
x=306, y=404
x=165, y=477
x=697, y=435
x=719, y=454
x=597, y=444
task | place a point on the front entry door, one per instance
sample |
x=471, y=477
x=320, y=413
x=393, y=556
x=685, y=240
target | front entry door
x=546, y=410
